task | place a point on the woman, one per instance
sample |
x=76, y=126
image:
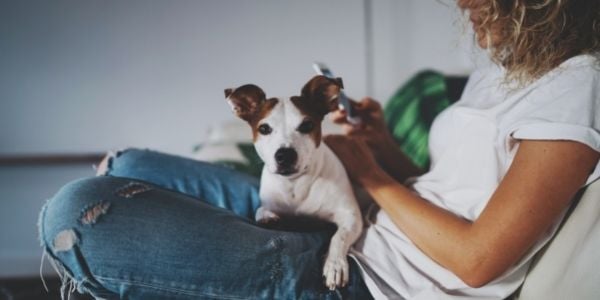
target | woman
x=506, y=161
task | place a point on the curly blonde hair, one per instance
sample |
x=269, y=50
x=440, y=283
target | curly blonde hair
x=535, y=36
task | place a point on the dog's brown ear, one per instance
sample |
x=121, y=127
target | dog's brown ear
x=246, y=100
x=322, y=93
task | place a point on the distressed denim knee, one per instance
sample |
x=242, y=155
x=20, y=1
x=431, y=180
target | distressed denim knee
x=63, y=224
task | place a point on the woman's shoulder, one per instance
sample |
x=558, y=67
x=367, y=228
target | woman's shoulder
x=575, y=71
x=582, y=62
x=576, y=80
x=584, y=68
x=574, y=83
x=562, y=105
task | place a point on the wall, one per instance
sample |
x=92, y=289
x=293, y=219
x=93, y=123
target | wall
x=409, y=36
x=80, y=76
x=24, y=191
x=88, y=76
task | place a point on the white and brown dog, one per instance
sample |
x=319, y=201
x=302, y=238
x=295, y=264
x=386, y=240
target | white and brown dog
x=301, y=176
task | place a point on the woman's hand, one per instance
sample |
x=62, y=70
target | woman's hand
x=373, y=131
x=354, y=154
x=372, y=128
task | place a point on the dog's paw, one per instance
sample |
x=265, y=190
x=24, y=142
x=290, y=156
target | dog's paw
x=335, y=272
x=264, y=216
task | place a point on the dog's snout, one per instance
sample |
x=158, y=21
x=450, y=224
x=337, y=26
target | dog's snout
x=286, y=156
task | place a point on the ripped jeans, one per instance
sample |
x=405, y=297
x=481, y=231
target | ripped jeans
x=164, y=227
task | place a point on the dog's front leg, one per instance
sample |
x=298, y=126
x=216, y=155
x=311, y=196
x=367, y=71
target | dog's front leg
x=335, y=269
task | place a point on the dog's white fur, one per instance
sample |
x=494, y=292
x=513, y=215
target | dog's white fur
x=320, y=188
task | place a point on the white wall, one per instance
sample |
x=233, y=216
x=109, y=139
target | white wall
x=412, y=35
x=95, y=75
x=79, y=76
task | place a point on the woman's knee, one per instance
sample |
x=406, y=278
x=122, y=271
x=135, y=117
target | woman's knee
x=80, y=203
x=61, y=212
x=143, y=164
x=106, y=165
x=64, y=226
x=214, y=184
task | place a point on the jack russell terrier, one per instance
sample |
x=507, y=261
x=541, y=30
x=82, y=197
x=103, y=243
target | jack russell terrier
x=301, y=176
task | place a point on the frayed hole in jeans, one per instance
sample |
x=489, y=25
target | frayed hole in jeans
x=90, y=214
x=132, y=189
x=64, y=240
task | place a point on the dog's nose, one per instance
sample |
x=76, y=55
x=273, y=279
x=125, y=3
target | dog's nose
x=286, y=156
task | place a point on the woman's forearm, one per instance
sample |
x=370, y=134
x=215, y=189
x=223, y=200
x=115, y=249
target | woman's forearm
x=441, y=235
x=542, y=179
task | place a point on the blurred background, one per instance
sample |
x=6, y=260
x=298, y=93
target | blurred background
x=80, y=77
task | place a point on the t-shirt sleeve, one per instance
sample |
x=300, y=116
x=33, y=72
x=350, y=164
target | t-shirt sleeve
x=567, y=108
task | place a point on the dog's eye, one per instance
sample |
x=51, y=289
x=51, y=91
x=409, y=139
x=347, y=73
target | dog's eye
x=306, y=127
x=264, y=129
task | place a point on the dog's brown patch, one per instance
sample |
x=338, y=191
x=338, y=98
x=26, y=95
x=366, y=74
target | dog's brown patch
x=318, y=98
x=323, y=93
x=264, y=110
x=245, y=100
x=250, y=104
x=311, y=113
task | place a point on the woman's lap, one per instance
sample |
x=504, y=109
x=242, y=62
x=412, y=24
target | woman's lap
x=213, y=184
x=122, y=237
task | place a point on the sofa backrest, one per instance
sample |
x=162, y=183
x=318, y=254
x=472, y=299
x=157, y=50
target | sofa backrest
x=569, y=266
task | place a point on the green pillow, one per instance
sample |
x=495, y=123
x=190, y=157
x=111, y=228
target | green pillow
x=411, y=110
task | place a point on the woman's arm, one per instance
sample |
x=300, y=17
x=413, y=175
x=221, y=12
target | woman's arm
x=373, y=131
x=539, y=185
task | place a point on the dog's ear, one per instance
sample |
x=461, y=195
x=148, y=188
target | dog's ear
x=322, y=93
x=246, y=100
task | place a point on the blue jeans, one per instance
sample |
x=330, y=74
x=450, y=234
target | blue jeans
x=165, y=227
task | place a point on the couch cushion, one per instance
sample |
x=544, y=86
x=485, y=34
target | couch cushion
x=230, y=145
x=569, y=268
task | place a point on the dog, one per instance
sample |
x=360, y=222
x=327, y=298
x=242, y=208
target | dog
x=301, y=176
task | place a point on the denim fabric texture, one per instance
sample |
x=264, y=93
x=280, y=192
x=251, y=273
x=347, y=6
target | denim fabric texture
x=159, y=226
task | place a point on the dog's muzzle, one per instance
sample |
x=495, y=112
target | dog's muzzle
x=286, y=159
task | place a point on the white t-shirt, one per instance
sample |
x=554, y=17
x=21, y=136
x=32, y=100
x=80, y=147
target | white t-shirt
x=472, y=144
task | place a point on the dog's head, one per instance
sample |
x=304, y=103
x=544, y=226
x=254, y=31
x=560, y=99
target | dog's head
x=286, y=131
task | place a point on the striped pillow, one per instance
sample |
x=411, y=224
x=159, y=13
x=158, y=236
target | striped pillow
x=411, y=110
